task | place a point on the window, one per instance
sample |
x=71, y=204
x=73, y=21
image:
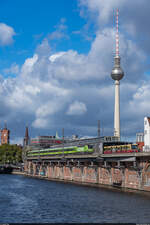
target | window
x=134, y=146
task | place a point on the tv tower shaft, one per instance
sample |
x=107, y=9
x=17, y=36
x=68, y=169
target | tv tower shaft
x=117, y=109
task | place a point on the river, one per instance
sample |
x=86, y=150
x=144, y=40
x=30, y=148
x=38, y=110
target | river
x=29, y=200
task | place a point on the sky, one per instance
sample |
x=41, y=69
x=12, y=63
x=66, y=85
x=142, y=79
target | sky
x=56, y=58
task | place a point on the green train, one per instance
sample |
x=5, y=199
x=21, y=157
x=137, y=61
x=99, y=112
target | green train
x=99, y=148
x=60, y=151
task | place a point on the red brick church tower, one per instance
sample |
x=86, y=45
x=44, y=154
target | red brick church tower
x=5, y=135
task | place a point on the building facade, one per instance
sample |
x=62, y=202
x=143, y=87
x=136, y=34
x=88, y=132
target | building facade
x=5, y=136
x=45, y=141
x=147, y=134
x=140, y=140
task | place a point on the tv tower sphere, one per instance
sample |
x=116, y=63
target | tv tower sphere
x=117, y=73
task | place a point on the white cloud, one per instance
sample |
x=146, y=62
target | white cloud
x=53, y=85
x=43, y=49
x=77, y=108
x=28, y=65
x=60, y=32
x=140, y=100
x=18, y=99
x=54, y=57
x=48, y=85
x=6, y=34
x=40, y=123
x=103, y=9
x=47, y=109
x=14, y=69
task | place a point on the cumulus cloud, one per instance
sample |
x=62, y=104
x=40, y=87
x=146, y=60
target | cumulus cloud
x=73, y=90
x=48, y=85
x=14, y=69
x=134, y=25
x=6, y=34
x=27, y=67
x=54, y=57
x=60, y=31
x=103, y=9
x=40, y=123
x=77, y=108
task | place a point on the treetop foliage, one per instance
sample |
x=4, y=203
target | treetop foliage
x=10, y=154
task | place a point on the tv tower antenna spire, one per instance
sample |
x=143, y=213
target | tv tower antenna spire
x=117, y=34
x=117, y=74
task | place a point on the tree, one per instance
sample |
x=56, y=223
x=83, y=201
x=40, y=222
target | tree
x=10, y=154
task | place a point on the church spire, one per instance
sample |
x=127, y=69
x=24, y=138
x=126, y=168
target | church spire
x=26, y=133
x=26, y=138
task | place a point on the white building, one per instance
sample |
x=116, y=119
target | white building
x=139, y=137
x=147, y=134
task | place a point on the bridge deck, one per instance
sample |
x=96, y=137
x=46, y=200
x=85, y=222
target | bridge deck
x=94, y=156
x=136, y=154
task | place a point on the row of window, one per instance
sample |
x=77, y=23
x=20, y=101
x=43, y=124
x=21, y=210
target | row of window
x=121, y=147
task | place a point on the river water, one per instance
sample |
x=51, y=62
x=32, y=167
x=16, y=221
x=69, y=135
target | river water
x=29, y=200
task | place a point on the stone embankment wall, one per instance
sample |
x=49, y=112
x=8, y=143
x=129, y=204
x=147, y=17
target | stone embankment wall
x=126, y=177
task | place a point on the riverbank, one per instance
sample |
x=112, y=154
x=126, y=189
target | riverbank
x=102, y=186
x=18, y=172
x=136, y=177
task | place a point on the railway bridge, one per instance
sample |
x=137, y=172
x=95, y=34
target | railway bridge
x=126, y=170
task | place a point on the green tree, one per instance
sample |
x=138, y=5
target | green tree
x=10, y=154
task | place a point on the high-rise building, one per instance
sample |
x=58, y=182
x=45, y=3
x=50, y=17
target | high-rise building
x=5, y=135
x=117, y=74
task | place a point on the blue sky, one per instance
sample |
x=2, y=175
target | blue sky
x=56, y=58
x=34, y=20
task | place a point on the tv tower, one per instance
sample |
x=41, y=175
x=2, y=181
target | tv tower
x=117, y=74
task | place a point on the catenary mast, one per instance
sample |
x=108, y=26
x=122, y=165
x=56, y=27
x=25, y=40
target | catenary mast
x=117, y=74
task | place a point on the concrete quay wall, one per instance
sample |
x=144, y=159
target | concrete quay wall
x=137, y=178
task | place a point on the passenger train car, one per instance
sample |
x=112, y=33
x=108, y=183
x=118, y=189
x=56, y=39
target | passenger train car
x=101, y=148
x=120, y=148
x=61, y=151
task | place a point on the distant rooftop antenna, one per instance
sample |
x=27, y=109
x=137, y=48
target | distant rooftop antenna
x=98, y=130
x=63, y=133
